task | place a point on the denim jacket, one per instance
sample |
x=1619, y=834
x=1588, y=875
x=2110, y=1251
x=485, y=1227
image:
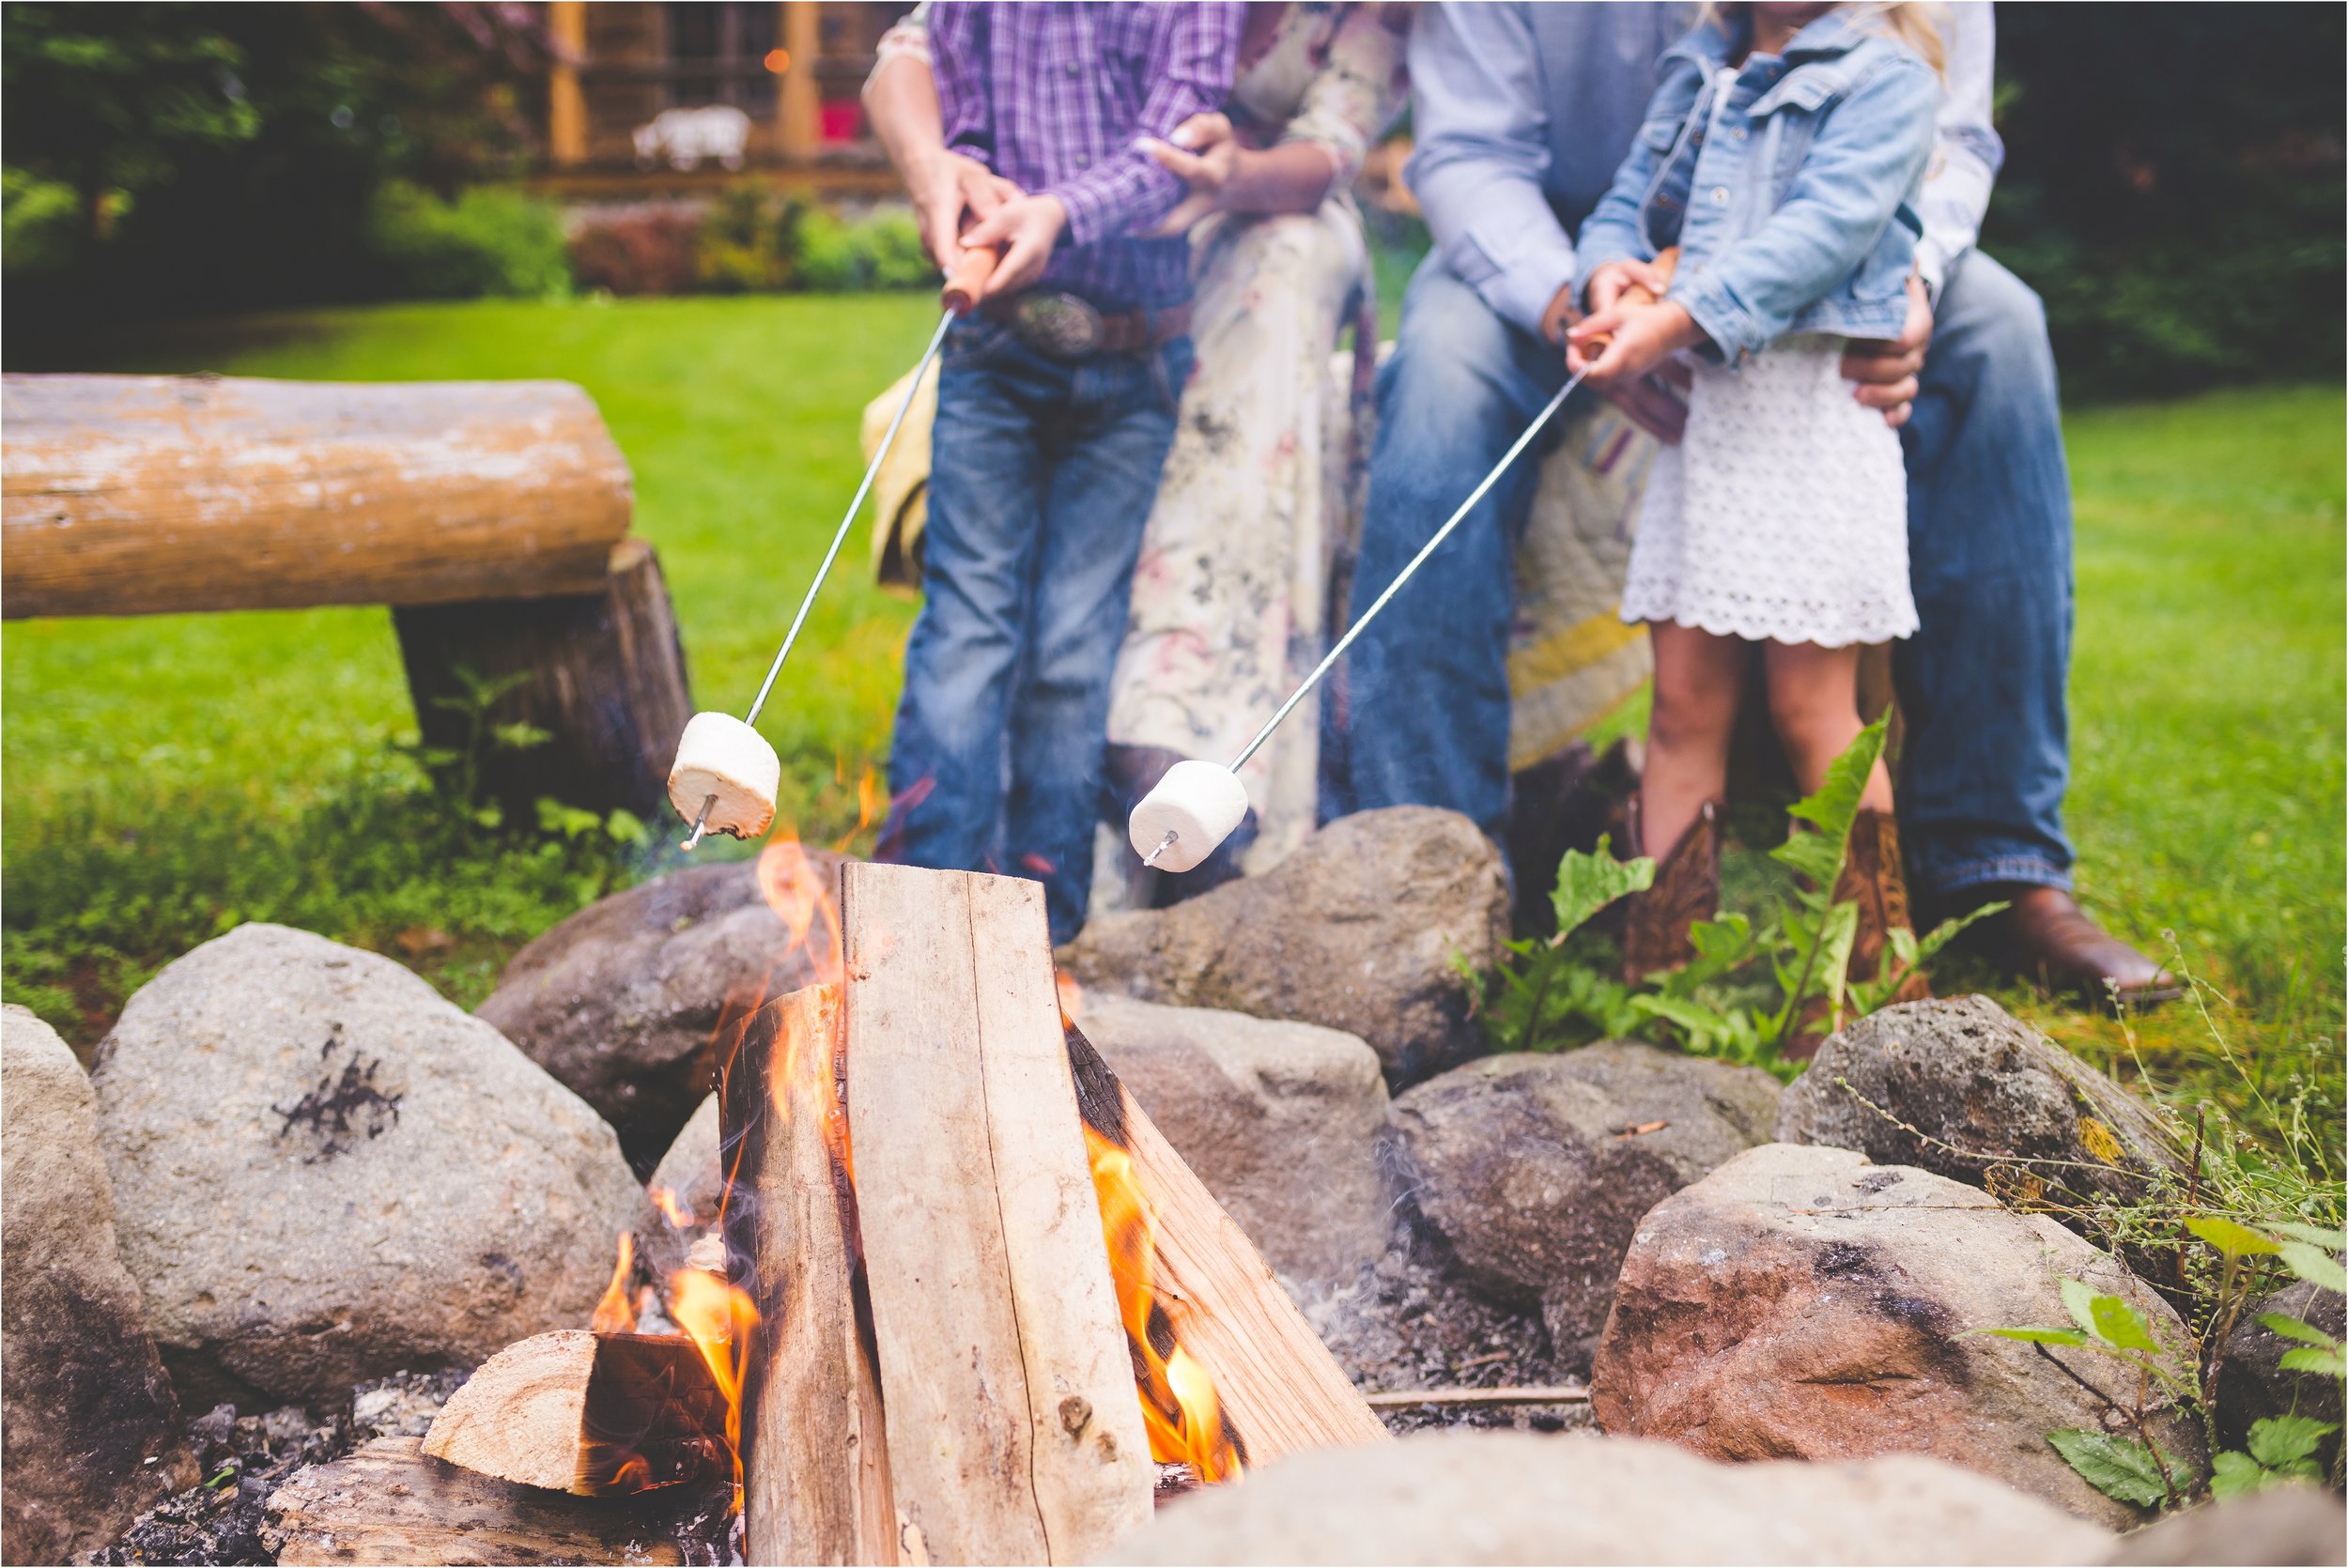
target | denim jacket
x=1794, y=210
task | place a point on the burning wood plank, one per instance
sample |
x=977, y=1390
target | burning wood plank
x=1279, y=1388
x=1013, y=1430
x=815, y=1465
x=587, y=1413
x=391, y=1504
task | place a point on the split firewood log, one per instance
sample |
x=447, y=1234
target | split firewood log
x=391, y=1504
x=588, y=1413
x=1279, y=1388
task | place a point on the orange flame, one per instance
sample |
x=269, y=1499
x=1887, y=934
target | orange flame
x=1072, y=998
x=675, y=1212
x=1179, y=1406
x=616, y=1313
x=718, y=1318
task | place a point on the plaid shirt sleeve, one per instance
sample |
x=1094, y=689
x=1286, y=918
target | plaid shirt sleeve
x=1190, y=72
x=957, y=49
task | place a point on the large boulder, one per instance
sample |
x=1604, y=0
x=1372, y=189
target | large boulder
x=2252, y=1383
x=89, y=1432
x=2283, y=1526
x=325, y=1172
x=1357, y=931
x=622, y=1000
x=1282, y=1122
x=1963, y=1088
x=1799, y=1302
x=1535, y=1169
x=1507, y=1496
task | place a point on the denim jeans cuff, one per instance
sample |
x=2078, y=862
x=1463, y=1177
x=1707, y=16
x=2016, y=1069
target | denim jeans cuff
x=1939, y=882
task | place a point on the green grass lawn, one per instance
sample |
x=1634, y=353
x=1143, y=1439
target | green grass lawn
x=165, y=777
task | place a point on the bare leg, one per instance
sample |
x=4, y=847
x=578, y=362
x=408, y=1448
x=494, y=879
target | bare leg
x=1814, y=705
x=1698, y=678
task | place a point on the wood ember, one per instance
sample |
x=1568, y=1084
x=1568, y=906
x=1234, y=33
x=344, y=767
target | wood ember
x=588, y=1413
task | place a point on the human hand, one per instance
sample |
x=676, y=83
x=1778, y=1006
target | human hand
x=950, y=192
x=1886, y=372
x=1608, y=281
x=1026, y=227
x=1638, y=338
x=1203, y=154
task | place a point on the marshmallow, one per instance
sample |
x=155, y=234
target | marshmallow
x=720, y=755
x=1200, y=803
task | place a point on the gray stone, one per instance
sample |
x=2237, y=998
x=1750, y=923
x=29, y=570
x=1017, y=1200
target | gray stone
x=1535, y=1169
x=1985, y=1098
x=622, y=1000
x=1515, y=1498
x=682, y=1198
x=1282, y=1122
x=2251, y=1382
x=2284, y=1527
x=1801, y=1303
x=325, y=1172
x=89, y=1432
x=1357, y=930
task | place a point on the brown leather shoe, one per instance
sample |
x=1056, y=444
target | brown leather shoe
x=1873, y=879
x=1687, y=889
x=2044, y=935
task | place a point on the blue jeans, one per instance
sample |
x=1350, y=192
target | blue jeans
x=1042, y=475
x=1423, y=713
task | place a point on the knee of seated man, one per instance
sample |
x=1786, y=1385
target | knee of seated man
x=1445, y=378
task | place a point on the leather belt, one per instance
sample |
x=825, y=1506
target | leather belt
x=1070, y=326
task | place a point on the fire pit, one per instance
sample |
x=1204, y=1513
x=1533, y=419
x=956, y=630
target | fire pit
x=973, y=1307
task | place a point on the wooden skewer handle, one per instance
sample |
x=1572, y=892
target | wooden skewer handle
x=968, y=277
x=1666, y=263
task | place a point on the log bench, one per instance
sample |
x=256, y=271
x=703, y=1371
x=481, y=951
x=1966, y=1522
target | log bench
x=492, y=517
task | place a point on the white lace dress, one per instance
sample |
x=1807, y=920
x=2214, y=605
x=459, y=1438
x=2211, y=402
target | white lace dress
x=1781, y=515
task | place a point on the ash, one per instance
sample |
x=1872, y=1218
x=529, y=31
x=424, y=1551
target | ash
x=1409, y=1322
x=246, y=1457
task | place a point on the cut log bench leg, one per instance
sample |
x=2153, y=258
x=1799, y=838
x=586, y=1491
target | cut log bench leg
x=604, y=675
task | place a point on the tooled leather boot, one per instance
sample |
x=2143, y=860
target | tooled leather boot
x=1687, y=888
x=1873, y=879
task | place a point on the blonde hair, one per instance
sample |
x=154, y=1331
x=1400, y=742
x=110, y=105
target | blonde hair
x=1913, y=24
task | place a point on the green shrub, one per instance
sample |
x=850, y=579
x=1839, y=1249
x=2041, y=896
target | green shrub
x=748, y=240
x=881, y=251
x=37, y=222
x=489, y=240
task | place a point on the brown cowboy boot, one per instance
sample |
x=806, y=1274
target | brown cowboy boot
x=1687, y=888
x=1873, y=879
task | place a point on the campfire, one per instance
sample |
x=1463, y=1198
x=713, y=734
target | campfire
x=968, y=1304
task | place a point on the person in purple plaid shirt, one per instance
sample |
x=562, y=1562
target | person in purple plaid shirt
x=1056, y=406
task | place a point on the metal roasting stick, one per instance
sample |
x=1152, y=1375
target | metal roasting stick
x=1404, y=575
x=838, y=538
x=1433, y=545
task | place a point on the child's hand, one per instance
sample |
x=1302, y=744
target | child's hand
x=1608, y=281
x=1026, y=227
x=1641, y=337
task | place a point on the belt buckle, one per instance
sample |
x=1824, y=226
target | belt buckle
x=1061, y=325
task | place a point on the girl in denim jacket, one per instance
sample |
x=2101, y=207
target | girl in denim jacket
x=1781, y=156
